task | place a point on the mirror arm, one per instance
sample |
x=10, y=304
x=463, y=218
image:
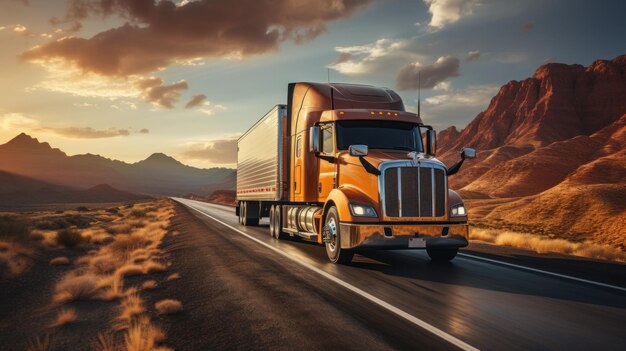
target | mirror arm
x=368, y=166
x=454, y=169
x=330, y=159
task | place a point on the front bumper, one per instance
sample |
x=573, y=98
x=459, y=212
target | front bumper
x=383, y=236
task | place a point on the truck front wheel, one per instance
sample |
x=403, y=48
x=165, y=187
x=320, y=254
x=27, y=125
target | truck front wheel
x=333, y=246
x=442, y=255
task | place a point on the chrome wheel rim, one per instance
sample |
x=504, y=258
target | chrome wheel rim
x=332, y=225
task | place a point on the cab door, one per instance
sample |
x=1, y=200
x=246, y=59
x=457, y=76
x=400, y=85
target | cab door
x=327, y=163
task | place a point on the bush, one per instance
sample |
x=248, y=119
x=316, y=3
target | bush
x=14, y=228
x=82, y=209
x=113, y=210
x=69, y=237
x=138, y=213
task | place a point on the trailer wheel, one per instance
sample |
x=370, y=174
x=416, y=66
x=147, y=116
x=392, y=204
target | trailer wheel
x=246, y=220
x=272, y=209
x=442, y=255
x=241, y=212
x=333, y=248
x=276, y=222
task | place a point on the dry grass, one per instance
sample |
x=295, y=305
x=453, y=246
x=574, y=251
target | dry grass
x=60, y=261
x=43, y=343
x=106, y=342
x=168, y=306
x=540, y=244
x=143, y=336
x=65, y=316
x=131, y=307
x=172, y=276
x=69, y=237
x=149, y=284
x=81, y=287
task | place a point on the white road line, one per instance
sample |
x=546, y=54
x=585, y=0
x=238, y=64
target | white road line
x=420, y=323
x=544, y=272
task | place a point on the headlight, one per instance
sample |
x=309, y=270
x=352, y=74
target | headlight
x=362, y=211
x=458, y=211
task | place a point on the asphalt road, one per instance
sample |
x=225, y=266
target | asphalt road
x=399, y=299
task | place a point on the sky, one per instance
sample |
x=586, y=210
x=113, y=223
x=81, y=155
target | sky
x=127, y=78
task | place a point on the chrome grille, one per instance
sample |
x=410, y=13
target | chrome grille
x=414, y=192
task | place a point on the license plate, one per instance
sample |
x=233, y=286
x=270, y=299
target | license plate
x=417, y=242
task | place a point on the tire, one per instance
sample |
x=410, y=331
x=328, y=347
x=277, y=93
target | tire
x=246, y=220
x=442, y=255
x=333, y=249
x=241, y=213
x=277, y=223
x=272, y=214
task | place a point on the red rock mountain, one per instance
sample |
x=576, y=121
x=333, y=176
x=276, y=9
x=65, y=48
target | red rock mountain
x=555, y=145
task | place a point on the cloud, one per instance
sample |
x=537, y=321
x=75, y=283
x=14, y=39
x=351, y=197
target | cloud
x=144, y=131
x=160, y=94
x=17, y=121
x=475, y=95
x=196, y=101
x=472, y=55
x=445, y=12
x=159, y=33
x=429, y=75
x=85, y=132
x=527, y=27
x=372, y=57
x=217, y=152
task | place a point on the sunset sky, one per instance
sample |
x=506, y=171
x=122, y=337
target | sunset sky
x=126, y=78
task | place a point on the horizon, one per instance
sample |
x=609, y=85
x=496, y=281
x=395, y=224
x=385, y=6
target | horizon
x=128, y=98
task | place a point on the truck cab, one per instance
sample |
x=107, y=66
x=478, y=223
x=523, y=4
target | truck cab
x=358, y=172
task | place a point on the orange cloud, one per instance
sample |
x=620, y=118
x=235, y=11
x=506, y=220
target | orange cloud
x=160, y=33
x=86, y=132
x=196, y=100
x=158, y=93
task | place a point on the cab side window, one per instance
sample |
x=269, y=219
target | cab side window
x=327, y=139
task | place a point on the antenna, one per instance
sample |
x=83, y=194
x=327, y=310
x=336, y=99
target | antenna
x=418, y=93
x=332, y=96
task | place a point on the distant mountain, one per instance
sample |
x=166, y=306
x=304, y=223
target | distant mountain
x=20, y=190
x=556, y=145
x=159, y=174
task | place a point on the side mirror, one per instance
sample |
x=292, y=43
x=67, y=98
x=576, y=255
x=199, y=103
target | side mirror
x=468, y=152
x=358, y=150
x=314, y=140
x=431, y=142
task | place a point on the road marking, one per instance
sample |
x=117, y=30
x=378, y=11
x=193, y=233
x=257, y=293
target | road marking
x=420, y=323
x=544, y=272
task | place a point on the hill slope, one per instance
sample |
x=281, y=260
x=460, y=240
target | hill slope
x=554, y=145
x=158, y=174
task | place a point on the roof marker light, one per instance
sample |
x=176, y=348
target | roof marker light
x=380, y=112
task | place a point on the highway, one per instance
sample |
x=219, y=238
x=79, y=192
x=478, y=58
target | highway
x=399, y=299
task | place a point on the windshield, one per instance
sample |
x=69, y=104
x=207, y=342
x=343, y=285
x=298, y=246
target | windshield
x=390, y=135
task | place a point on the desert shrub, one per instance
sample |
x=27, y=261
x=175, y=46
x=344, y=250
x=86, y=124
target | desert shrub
x=51, y=224
x=149, y=284
x=129, y=206
x=14, y=228
x=144, y=336
x=81, y=287
x=82, y=209
x=59, y=211
x=113, y=210
x=138, y=213
x=168, y=306
x=60, y=261
x=79, y=221
x=125, y=244
x=65, y=316
x=69, y=237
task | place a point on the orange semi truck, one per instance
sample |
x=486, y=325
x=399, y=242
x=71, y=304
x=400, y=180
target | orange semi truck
x=346, y=166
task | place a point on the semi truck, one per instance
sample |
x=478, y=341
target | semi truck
x=346, y=166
